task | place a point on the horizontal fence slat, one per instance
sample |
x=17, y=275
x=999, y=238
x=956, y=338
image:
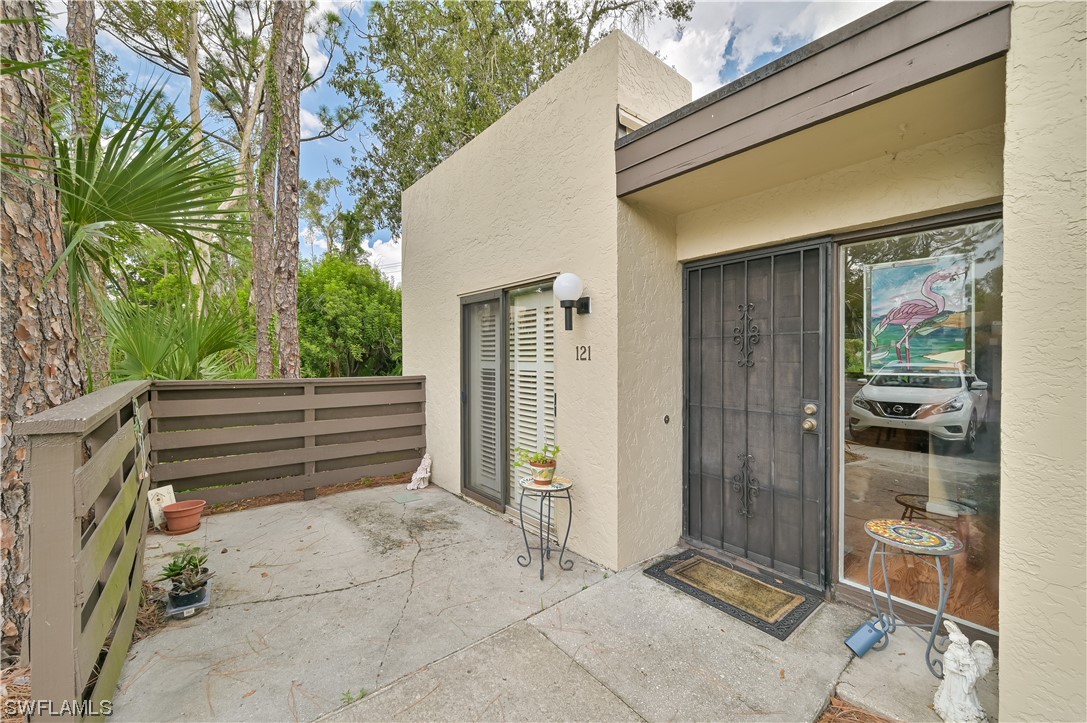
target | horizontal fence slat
x=103, y=616
x=246, y=405
x=243, y=462
x=94, y=554
x=229, y=435
x=245, y=490
x=92, y=477
x=105, y=688
x=173, y=385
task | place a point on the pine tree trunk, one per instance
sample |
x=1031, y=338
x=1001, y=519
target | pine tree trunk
x=83, y=93
x=196, y=118
x=262, y=215
x=288, y=67
x=41, y=365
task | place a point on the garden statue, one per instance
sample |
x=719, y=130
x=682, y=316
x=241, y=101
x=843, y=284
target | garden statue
x=421, y=477
x=964, y=665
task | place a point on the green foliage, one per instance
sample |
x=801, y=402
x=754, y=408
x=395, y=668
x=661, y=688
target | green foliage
x=349, y=319
x=185, y=570
x=854, y=357
x=177, y=341
x=347, y=697
x=150, y=177
x=548, y=454
x=454, y=68
x=342, y=232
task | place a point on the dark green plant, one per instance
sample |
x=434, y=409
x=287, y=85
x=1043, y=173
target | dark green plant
x=186, y=570
x=349, y=320
x=178, y=341
x=547, y=455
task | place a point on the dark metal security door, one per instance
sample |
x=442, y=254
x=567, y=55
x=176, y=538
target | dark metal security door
x=755, y=482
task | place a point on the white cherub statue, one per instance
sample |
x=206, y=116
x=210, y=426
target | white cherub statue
x=964, y=665
x=421, y=477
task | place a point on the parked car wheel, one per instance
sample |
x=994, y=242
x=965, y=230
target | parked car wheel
x=970, y=442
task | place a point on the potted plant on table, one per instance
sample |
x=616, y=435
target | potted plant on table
x=188, y=577
x=542, y=462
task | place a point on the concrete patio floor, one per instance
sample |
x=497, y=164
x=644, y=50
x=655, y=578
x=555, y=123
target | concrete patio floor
x=417, y=600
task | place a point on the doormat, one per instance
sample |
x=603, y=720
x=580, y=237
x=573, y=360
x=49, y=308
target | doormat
x=770, y=604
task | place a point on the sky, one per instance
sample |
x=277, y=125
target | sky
x=722, y=42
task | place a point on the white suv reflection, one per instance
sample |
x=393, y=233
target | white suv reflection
x=947, y=402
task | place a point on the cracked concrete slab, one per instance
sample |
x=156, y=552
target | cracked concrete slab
x=672, y=657
x=515, y=675
x=319, y=598
x=896, y=683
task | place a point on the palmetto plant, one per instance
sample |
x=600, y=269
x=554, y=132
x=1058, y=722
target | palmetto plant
x=149, y=175
x=177, y=341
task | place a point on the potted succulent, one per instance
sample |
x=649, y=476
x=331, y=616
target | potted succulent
x=188, y=577
x=542, y=462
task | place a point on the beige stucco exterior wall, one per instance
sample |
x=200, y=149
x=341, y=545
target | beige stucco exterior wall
x=650, y=341
x=1043, y=561
x=530, y=197
x=957, y=172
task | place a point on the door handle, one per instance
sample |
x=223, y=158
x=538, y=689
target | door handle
x=809, y=425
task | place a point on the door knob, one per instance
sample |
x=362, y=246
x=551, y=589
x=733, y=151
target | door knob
x=809, y=425
x=810, y=409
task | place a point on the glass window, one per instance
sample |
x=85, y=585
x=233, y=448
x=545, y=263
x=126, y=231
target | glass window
x=922, y=341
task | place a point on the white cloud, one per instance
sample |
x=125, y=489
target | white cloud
x=755, y=29
x=310, y=123
x=388, y=257
x=698, y=54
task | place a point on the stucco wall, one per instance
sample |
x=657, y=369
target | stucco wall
x=650, y=385
x=1043, y=561
x=532, y=196
x=946, y=175
x=650, y=340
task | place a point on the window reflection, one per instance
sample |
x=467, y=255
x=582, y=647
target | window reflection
x=922, y=327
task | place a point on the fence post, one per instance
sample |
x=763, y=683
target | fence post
x=310, y=493
x=55, y=536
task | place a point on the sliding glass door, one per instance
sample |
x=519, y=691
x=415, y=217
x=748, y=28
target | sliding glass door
x=507, y=387
x=531, y=377
x=483, y=398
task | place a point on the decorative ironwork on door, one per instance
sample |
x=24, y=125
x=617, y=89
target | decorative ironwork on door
x=746, y=484
x=745, y=335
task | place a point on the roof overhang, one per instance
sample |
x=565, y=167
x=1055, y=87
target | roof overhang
x=860, y=71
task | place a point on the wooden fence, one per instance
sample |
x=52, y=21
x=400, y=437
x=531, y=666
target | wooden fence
x=88, y=483
x=222, y=441
x=92, y=461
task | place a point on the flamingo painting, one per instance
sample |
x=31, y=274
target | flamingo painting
x=911, y=313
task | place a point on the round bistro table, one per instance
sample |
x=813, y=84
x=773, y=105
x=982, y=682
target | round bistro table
x=902, y=538
x=558, y=488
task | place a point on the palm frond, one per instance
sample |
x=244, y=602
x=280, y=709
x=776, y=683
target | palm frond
x=152, y=175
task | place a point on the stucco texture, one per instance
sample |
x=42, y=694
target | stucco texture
x=948, y=174
x=1043, y=561
x=530, y=197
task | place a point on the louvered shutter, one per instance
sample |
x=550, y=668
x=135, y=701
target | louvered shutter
x=531, y=383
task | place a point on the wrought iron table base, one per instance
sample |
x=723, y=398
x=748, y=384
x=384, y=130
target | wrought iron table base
x=544, y=547
x=890, y=621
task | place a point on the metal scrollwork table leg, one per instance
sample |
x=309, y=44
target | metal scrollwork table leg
x=544, y=546
x=889, y=620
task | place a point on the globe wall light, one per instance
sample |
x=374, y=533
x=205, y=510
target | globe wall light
x=567, y=289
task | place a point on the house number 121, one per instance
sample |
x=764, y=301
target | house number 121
x=583, y=353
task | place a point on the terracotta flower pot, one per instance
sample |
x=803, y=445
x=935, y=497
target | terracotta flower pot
x=182, y=517
x=543, y=473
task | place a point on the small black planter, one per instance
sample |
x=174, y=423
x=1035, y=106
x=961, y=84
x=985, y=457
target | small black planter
x=185, y=599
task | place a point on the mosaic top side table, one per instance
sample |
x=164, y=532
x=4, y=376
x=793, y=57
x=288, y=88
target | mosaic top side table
x=559, y=488
x=903, y=537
